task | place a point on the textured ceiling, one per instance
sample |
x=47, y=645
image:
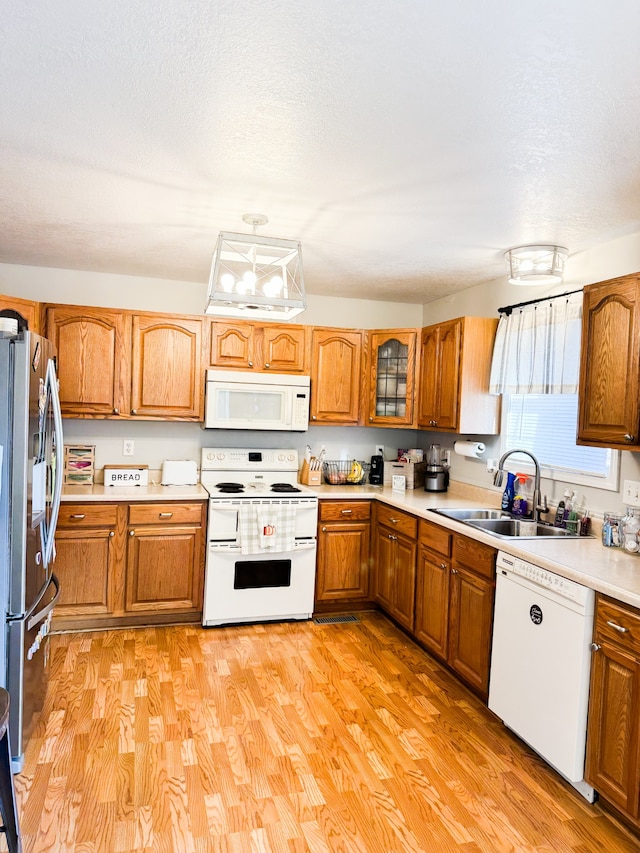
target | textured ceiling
x=406, y=144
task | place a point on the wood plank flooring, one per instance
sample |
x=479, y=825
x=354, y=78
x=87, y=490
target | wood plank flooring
x=282, y=739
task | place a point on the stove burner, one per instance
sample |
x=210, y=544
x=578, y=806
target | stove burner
x=230, y=488
x=284, y=487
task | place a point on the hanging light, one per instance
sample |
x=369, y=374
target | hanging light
x=256, y=277
x=536, y=264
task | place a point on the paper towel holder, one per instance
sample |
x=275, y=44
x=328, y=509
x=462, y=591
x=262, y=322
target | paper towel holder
x=472, y=449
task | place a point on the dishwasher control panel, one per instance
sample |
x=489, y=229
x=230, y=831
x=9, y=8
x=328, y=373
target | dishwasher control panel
x=542, y=577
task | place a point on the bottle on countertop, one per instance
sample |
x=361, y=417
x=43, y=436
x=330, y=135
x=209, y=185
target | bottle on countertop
x=559, y=519
x=630, y=529
x=508, y=494
x=522, y=502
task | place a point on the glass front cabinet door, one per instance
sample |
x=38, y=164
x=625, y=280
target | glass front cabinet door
x=392, y=358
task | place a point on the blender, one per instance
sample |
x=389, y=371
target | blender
x=436, y=477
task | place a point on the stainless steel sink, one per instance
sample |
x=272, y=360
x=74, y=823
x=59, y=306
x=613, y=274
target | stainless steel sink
x=504, y=526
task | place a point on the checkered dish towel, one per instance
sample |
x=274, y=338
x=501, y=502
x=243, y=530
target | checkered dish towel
x=266, y=528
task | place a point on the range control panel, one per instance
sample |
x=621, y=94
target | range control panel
x=242, y=459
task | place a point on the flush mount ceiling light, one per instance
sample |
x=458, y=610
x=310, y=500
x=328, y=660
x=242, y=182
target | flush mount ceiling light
x=536, y=264
x=256, y=277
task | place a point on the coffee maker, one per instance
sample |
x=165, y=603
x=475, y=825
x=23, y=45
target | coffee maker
x=377, y=469
x=436, y=476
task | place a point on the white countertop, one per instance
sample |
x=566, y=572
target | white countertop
x=134, y=493
x=608, y=570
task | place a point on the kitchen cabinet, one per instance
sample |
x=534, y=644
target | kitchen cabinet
x=395, y=549
x=455, y=593
x=337, y=369
x=266, y=347
x=392, y=362
x=609, y=398
x=31, y=311
x=613, y=733
x=116, y=364
x=129, y=564
x=453, y=389
x=344, y=532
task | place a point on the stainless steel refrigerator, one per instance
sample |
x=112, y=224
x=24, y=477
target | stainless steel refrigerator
x=30, y=489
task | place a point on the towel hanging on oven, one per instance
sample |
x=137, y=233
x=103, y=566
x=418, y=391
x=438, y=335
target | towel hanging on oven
x=266, y=528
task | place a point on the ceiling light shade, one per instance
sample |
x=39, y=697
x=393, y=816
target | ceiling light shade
x=536, y=264
x=256, y=277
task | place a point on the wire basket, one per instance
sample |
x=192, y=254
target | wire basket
x=344, y=472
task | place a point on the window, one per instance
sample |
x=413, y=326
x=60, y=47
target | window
x=545, y=425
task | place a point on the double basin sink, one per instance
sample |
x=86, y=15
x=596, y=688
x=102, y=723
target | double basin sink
x=504, y=526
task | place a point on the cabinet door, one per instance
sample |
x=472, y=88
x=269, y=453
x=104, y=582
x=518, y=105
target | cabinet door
x=335, y=376
x=609, y=400
x=448, y=380
x=343, y=561
x=432, y=602
x=613, y=737
x=404, y=585
x=167, y=376
x=233, y=345
x=164, y=570
x=94, y=347
x=470, y=624
x=85, y=561
x=384, y=549
x=392, y=377
x=31, y=311
x=428, y=385
x=284, y=349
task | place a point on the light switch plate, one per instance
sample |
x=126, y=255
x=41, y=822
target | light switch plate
x=631, y=493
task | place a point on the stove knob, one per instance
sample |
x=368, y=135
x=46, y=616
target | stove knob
x=281, y=457
x=220, y=456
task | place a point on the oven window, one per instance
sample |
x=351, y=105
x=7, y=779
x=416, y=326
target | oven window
x=260, y=574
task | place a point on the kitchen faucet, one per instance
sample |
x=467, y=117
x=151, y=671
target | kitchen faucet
x=538, y=507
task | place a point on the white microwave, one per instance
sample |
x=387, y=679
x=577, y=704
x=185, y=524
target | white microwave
x=276, y=401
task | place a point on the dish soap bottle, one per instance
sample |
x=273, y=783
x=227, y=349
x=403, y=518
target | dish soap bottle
x=521, y=498
x=508, y=494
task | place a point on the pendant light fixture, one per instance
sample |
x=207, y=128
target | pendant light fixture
x=536, y=264
x=256, y=277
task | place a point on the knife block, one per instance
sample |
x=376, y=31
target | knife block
x=309, y=477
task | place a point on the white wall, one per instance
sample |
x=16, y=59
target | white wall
x=599, y=263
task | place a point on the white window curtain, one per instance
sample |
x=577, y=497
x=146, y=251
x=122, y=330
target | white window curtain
x=537, y=348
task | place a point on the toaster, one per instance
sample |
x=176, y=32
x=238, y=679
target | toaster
x=179, y=472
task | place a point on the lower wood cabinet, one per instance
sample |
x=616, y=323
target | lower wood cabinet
x=344, y=532
x=455, y=593
x=613, y=735
x=395, y=548
x=129, y=564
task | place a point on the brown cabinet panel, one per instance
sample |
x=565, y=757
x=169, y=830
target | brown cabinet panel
x=385, y=569
x=31, y=311
x=448, y=378
x=344, y=510
x=397, y=520
x=432, y=602
x=232, y=345
x=93, y=359
x=167, y=379
x=392, y=364
x=336, y=374
x=405, y=581
x=609, y=400
x=85, y=567
x=260, y=347
x=169, y=513
x=87, y=515
x=160, y=572
x=470, y=625
x=395, y=575
x=285, y=349
x=435, y=538
x=470, y=554
x=343, y=561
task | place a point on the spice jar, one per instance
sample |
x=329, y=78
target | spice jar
x=630, y=528
x=612, y=535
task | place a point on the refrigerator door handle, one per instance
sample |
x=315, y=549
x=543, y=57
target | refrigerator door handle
x=52, y=386
x=42, y=614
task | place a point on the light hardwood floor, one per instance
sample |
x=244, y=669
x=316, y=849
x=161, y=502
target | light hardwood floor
x=281, y=739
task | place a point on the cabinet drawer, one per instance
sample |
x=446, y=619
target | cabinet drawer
x=398, y=520
x=170, y=513
x=87, y=515
x=612, y=613
x=344, y=510
x=435, y=538
x=476, y=556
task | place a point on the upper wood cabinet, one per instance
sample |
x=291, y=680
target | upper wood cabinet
x=167, y=377
x=455, y=363
x=609, y=398
x=31, y=311
x=336, y=376
x=392, y=360
x=116, y=364
x=94, y=346
x=267, y=347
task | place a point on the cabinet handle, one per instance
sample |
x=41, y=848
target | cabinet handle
x=370, y=418
x=393, y=538
x=618, y=628
x=250, y=363
x=595, y=647
x=346, y=511
x=134, y=411
x=267, y=365
x=324, y=529
x=628, y=437
x=165, y=514
x=454, y=571
x=393, y=520
x=132, y=533
x=314, y=418
x=116, y=411
x=80, y=515
x=111, y=533
x=443, y=565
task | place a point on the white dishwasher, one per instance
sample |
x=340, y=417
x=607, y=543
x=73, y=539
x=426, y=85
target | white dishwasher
x=540, y=663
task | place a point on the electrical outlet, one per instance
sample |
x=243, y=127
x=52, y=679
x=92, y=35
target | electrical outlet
x=380, y=450
x=127, y=447
x=631, y=493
